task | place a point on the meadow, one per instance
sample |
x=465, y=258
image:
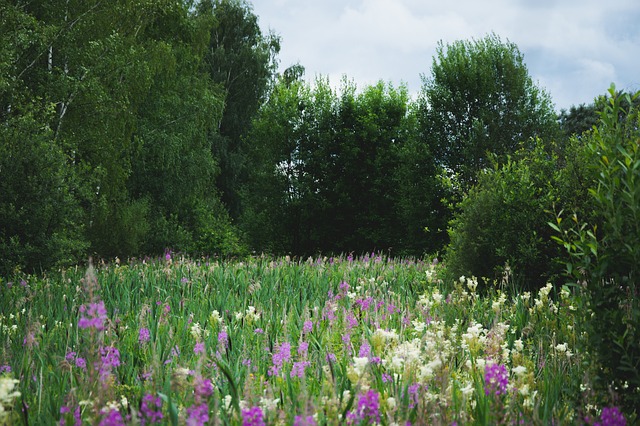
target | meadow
x=266, y=341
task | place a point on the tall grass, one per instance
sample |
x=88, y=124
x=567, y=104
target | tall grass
x=275, y=341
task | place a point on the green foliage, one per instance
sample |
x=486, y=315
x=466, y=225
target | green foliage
x=242, y=61
x=604, y=255
x=503, y=222
x=324, y=168
x=480, y=99
x=106, y=116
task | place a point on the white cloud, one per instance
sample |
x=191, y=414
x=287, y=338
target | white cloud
x=572, y=47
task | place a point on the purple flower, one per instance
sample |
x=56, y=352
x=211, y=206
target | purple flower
x=307, y=327
x=150, y=410
x=81, y=363
x=368, y=409
x=282, y=355
x=203, y=387
x=331, y=357
x=258, y=331
x=253, y=417
x=365, y=350
x=223, y=338
x=110, y=357
x=611, y=416
x=144, y=335
x=199, y=348
x=352, y=322
x=304, y=421
x=496, y=379
x=298, y=369
x=303, y=349
x=112, y=418
x=198, y=415
x=93, y=316
x=414, y=398
x=5, y=368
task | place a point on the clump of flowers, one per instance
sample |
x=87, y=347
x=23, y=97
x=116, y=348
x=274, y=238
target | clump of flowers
x=611, y=416
x=496, y=379
x=282, y=355
x=368, y=409
x=7, y=395
x=144, y=335
x=150, y=410
x=198, y=415
x=253, y=417
x=93, y=315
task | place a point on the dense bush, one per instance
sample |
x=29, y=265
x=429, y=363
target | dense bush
x=503, y=221
x=604, y=253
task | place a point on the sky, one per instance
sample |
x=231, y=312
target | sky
x=573, y=49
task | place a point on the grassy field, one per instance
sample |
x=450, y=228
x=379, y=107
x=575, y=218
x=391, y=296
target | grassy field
x=333, y=341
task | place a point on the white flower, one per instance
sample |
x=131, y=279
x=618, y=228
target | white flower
x=196, y=331
x=227, y=402
x=562, y=347
x=419, y=326
x=519, y=370
x=269, y=404
x=467, y=390
x=391, y=403
x=359, y=364
x=215, y=317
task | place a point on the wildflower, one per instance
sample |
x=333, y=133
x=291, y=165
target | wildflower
x=368, y=409
x=258, y=331
x=269, y=404
x=223, y=338
x=112, y=418
x=365, y=350
x=7, y=395
x=144, y=335
x=196, y=331
x=413, y=395
x=150, y=410
x=199, y=348
x=215, y=317
x=251, y=314
x=304, y=421
x=93, y=315
x=611, y=416
x=303, y=349
x=282, y=355
x=307, y=327
x=110, y=357
x=519, y=370
x=359, y=364
x=253, y=417
x=81, y=363
x=495, y=379
x=203, y=387
x=298, y=369
x=197, y=415
x=5, y=369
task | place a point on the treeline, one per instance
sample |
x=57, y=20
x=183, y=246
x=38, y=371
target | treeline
x=132, y=127
x=120, y=126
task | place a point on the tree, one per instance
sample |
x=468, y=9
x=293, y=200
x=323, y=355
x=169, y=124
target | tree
x=243, y=62
x=480, y=99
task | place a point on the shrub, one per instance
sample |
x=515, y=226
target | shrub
x=503, y=221
x=604, y=255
